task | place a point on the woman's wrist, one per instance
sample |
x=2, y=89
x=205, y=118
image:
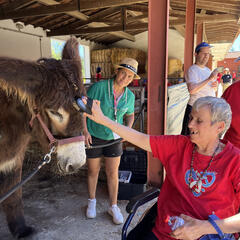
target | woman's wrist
x=209, y=229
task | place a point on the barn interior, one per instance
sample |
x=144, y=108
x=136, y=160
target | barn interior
x=108, y=31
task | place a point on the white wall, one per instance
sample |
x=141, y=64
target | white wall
x=31, y=43
x=28, y=44
x=175, y=44
x=140, y=43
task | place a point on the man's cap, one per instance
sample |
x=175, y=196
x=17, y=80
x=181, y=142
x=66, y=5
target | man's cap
x=130, y=64
x=201, y=45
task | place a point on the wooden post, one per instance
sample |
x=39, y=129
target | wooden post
x=157, y=78
x=189, y=33
x=199, y=33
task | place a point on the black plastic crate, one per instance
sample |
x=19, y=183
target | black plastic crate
x=135, y=161
x=136, y=186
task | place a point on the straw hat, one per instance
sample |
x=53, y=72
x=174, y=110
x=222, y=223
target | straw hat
x=129, y=64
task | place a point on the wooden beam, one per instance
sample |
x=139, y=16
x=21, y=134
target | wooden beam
x=84, y=17
x=140, y=26
x=94, y=18
x=137, y=8
x=219, y=6
x=124, y=18
x=217, y=18
x=215, y=5
x=140, y=17
x=180, y=29
x=75, y=14
x=39, y=11
x=207, y=19
x=137, y=16
x=93, y=4
x=17, y=5
x=199, y=33
x=205, y=37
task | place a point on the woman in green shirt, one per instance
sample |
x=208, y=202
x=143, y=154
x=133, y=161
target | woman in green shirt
x=117, y=102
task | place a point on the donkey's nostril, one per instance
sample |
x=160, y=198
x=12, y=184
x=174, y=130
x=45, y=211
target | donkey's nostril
x=70, y=168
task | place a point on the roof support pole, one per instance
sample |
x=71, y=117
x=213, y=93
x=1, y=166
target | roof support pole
x=210, y=62
x=189, y=36
x=157, y=78
x=199, y=33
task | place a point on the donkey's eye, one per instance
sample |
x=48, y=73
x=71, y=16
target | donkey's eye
x=57, y=114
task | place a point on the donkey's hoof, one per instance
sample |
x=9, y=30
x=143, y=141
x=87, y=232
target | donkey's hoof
x=25, y=232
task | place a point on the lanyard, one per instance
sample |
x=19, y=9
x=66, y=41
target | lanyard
x=115, y=105
x=116, y=101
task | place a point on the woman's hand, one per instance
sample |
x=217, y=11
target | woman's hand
x=214, y=74
x=214, y=84
x=192, y=228
x=97, y=114
x=88, y=138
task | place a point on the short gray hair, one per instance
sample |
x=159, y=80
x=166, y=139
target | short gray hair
x=220, y=110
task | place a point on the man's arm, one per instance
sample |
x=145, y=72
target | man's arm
x=196, y=87
x=137, y=138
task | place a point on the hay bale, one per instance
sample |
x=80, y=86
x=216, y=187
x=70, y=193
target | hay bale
x=106, y=58
x=175, y=67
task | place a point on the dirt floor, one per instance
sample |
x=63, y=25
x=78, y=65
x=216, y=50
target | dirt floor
x=56, y=209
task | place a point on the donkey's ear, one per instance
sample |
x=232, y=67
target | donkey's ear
x=70, y=54
x=71, y=50
x=19, y=75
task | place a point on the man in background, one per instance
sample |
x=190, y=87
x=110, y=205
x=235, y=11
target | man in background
x=226, y=79
x=200, y=81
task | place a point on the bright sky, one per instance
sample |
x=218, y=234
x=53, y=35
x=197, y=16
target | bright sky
x=236, y=45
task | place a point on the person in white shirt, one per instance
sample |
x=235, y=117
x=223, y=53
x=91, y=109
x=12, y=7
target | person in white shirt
x=200, y=81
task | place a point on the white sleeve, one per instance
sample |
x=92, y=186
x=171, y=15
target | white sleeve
x=191, y=76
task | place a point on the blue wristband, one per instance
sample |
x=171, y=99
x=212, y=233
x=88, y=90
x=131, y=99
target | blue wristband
x=211, y=219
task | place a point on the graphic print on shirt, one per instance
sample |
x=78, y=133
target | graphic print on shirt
x=199, y=184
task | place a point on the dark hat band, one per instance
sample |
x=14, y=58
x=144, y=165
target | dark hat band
x=129, y=67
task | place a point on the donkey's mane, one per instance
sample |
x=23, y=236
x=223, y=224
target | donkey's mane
x=61, y=82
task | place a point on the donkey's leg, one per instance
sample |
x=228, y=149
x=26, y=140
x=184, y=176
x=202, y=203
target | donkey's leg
x=13, y=206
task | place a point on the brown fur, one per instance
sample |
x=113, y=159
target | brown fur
x=24, y=86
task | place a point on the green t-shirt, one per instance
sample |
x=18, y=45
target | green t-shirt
x=103, y=91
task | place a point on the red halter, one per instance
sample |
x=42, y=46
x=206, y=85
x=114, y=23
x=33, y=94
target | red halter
x=52, y=139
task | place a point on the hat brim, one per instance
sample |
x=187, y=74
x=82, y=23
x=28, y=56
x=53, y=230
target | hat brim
x=119, y=66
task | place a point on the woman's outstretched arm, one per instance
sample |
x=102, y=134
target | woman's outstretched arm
x=137, y=138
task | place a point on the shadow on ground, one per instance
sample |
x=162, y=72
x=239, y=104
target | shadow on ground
x=56, y=209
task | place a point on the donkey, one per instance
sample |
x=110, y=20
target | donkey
x=36, y=92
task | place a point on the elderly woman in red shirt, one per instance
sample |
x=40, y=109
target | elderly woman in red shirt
x=202, y=172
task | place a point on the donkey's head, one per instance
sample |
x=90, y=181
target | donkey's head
x=49, y=87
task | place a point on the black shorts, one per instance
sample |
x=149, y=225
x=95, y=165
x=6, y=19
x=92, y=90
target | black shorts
x=114, y=150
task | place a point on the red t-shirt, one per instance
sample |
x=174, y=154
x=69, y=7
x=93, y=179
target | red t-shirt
x=232, y=96
x=220, y=190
